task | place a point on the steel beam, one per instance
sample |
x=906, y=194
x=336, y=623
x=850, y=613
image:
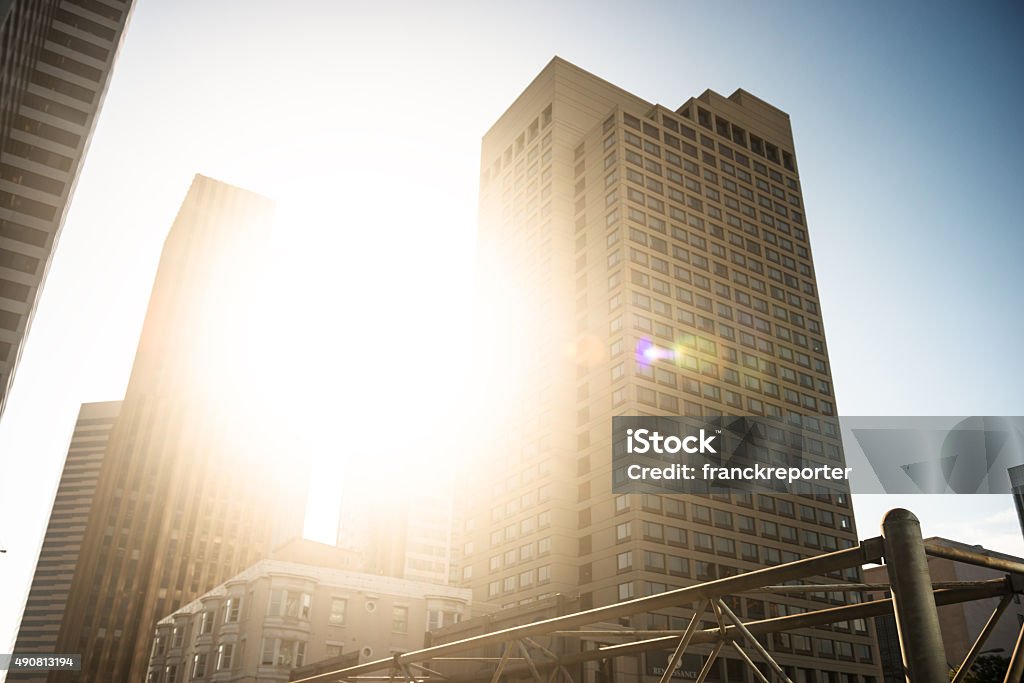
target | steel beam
x=977, y=559
x=673, y=661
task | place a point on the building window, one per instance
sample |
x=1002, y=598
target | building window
x=283, y=653
x=232, y=608
x=400, y=619
x=337, y=616
x=206, y=623
x=199, y=665
x=177, y=636
x=626, y=591
x=290, y=603
x=224, y=653
x=624, y=561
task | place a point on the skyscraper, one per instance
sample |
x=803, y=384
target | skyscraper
x=610, y=226
x=56, y=58
x=62, y=543
x=192, y=489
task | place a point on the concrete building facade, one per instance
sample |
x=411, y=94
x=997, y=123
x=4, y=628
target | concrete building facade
x=62, y=543
x=56, y=60
x=193, y=487
x=611, y=226
x=294, y=610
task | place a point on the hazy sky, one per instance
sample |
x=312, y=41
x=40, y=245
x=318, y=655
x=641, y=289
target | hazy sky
x=364, y=120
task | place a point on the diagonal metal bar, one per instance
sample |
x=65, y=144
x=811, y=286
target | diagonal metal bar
x=501, y=663
x=684, y=642
x=711, y=662
x=410, y=676
x=558, y=667
x=965, y=666
x=746, y=658
x=429, y=671
x=1015, y=671
x=754, y=642
x=529, y=660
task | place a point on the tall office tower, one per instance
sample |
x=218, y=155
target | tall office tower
x=56, y=57
x=63, y=540
x=192, y=489
x=641, y=260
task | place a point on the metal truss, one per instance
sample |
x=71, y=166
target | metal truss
x=913, y=602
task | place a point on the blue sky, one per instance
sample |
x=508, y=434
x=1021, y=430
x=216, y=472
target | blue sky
x=905, y=117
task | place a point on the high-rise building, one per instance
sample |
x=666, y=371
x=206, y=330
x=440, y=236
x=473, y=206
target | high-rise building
x=192, y=489
x=610, y=227
x=56, y=58
x=62, y=542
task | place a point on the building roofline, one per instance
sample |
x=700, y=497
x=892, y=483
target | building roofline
x=557, y=62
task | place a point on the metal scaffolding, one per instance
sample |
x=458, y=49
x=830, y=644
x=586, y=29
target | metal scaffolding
x=914, y=602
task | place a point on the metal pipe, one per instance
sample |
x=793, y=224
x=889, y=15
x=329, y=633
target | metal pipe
x=711, y=661
x=501, y=664
x=851, y=587
x=746, y=658
x=529, y=660
x=753, y=641
x=917, y=620
x=691, y=628
x=965, y=666
x=977, y=559
x=1016, y=669
x=868, y=551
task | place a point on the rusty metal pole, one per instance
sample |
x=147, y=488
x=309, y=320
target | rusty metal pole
x=917, y=619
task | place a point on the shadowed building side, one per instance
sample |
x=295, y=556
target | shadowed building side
x=56, y=59
x=194, y=487
x=62, y=543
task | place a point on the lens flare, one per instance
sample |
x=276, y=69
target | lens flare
x=647, y=352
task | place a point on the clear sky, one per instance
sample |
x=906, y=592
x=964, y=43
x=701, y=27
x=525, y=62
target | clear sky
x=364, y=120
